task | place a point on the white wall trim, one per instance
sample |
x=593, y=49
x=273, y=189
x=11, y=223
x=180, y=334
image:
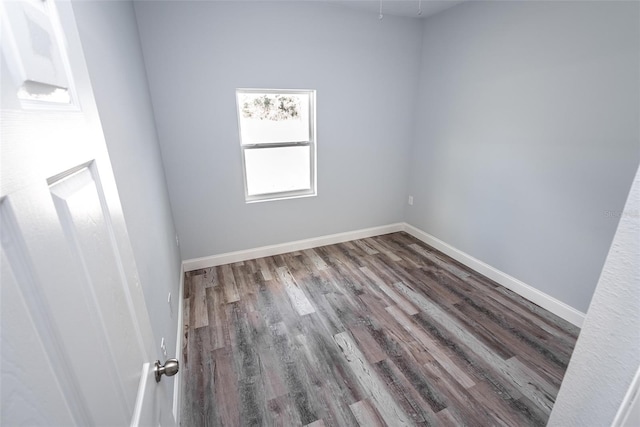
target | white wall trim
x=283, y=248
x=629, y=407
x=534, y=295
x=178, y=355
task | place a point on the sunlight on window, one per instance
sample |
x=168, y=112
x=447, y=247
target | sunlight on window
x=277, y=137
x=278, y=169
x=273, y=118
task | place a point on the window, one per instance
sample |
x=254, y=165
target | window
x=277, y=138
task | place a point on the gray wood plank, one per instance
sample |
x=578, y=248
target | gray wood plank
x=230, y=287
x=298, y=298
x=374, y=244
x=378, y=331
x=451, y=268
x=199, y=302
x=316, y=259
x=264, y=269
x=402, y=302
x=389, y=410
x=366, y=414
x=432, y=347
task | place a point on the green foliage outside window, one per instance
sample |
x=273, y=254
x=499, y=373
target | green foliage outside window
x=271, y=107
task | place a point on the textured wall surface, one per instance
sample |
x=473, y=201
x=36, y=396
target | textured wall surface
x=607, y=354
x=111, y=46
x=364, y=70
x=527, y=136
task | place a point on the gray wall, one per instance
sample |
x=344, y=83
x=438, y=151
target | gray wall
x=365, y=73
x=111, y=46
x=527, y=136
x=607, y=354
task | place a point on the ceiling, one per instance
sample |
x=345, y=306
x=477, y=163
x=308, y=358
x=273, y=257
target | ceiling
x=408, y=8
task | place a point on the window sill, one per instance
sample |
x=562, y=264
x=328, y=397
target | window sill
x=283, y=197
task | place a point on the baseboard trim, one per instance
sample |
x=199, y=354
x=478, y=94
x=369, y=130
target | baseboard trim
x=534, y=295
x=178, y=354
x=283, y=248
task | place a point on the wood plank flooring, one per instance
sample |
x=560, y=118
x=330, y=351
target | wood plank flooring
x=373, y=332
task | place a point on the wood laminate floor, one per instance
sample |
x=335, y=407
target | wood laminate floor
x=373, y=332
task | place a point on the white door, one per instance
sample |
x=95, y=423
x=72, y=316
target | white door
x=77, y=347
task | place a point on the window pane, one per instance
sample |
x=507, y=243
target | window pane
x=273, y=117
x=278, y=169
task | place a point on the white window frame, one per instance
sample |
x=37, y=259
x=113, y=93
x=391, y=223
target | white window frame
x=311, y=143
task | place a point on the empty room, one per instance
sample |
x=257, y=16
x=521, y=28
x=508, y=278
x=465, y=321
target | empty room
x=320, y=213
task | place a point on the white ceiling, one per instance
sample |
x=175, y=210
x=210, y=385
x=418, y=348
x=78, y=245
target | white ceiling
x=407, y=8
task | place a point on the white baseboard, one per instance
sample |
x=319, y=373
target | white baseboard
x=283, y=248
x=534, y=295
x=180, y=335
x=545, y=301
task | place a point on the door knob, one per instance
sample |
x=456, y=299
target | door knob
x=170, y=368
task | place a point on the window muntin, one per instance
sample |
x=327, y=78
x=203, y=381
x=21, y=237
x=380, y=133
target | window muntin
x=277, y=138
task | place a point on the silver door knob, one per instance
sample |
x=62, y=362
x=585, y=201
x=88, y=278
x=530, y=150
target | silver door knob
x=170, y=368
